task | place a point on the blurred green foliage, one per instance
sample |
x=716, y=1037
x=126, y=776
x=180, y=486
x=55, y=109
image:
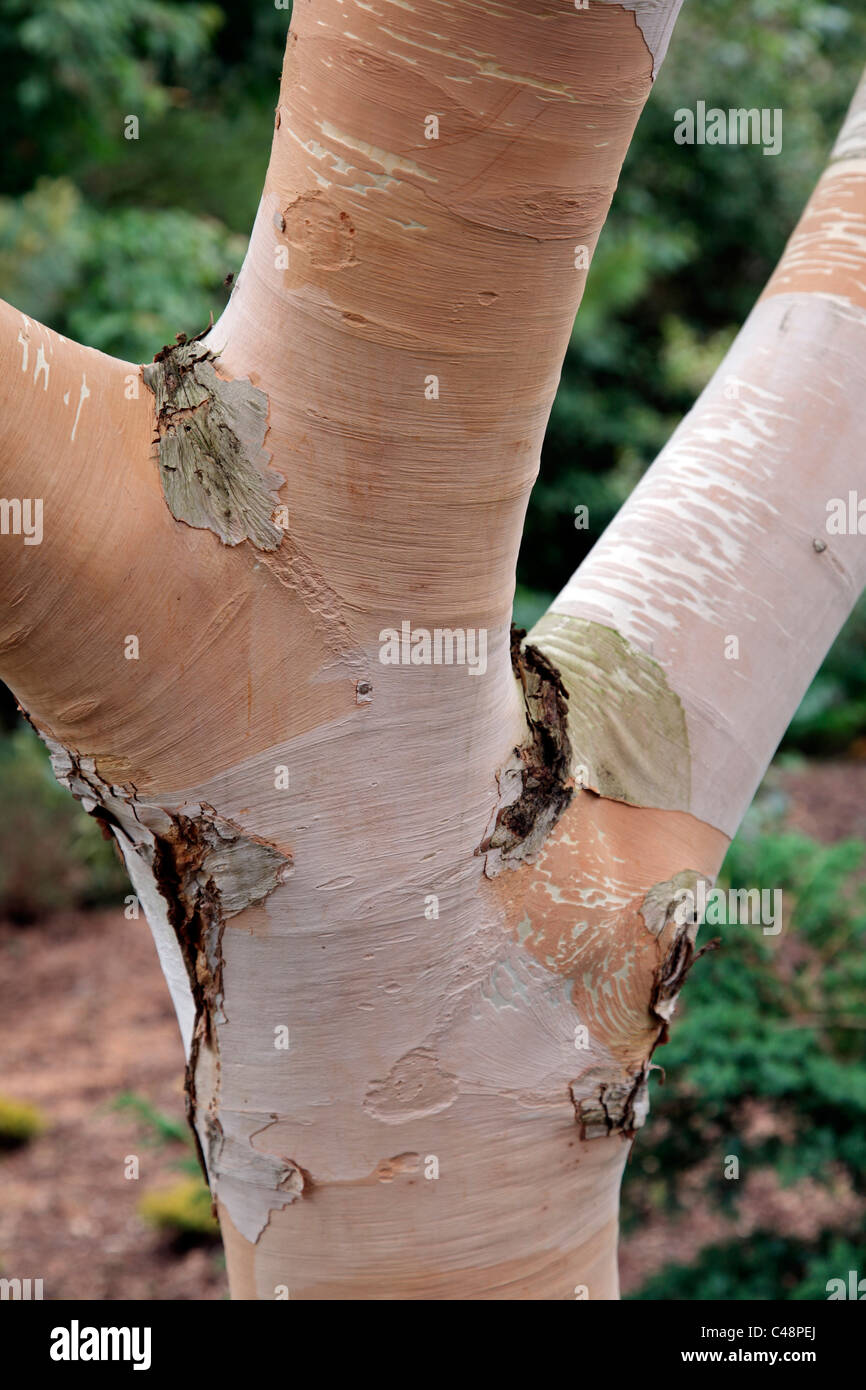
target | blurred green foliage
x=183, y=1212
x=777, y=1021
x=53, y=854
x=766, y=1266
x=121, y=242
x=96, y=272
x=157, y=1127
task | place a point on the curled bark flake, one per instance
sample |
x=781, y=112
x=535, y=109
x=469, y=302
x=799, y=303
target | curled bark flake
x=251, y=1180
x=607, y=1100
x=670, y=976
x=666, y=906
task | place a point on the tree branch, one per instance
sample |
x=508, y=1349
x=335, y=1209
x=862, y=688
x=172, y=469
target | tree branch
x=407, y=301
x=722, y=575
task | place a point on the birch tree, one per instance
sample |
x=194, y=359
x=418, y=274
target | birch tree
x=422, y=888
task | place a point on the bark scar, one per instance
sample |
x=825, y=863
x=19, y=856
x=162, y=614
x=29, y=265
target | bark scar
x=537, y=778
x=679, y=953
x=617, y=1104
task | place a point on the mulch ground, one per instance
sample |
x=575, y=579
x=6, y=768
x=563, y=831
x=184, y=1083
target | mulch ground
x=86, y=1017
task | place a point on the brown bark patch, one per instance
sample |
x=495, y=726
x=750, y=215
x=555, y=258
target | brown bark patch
x=542, y=765
x=611, y=1100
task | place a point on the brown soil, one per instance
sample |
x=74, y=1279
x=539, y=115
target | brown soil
x=826, y=801
x=86, y=1017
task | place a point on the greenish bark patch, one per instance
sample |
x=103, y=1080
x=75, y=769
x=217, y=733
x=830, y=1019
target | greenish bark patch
x=210, y=437
x=626, y=727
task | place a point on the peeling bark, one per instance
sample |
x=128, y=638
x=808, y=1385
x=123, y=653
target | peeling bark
x=615, y=1104
x=675, y=965
x=539, y=774
x=207, y=870
x=656, y=22
x=609, y=1099
x=210, y=434
x=626, y=726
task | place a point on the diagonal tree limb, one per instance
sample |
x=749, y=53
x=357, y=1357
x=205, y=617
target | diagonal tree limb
x=725, y=572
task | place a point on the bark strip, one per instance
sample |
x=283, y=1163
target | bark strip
x=207, y=869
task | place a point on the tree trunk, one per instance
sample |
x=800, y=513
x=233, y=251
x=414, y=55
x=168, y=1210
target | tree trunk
x=424, y=920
